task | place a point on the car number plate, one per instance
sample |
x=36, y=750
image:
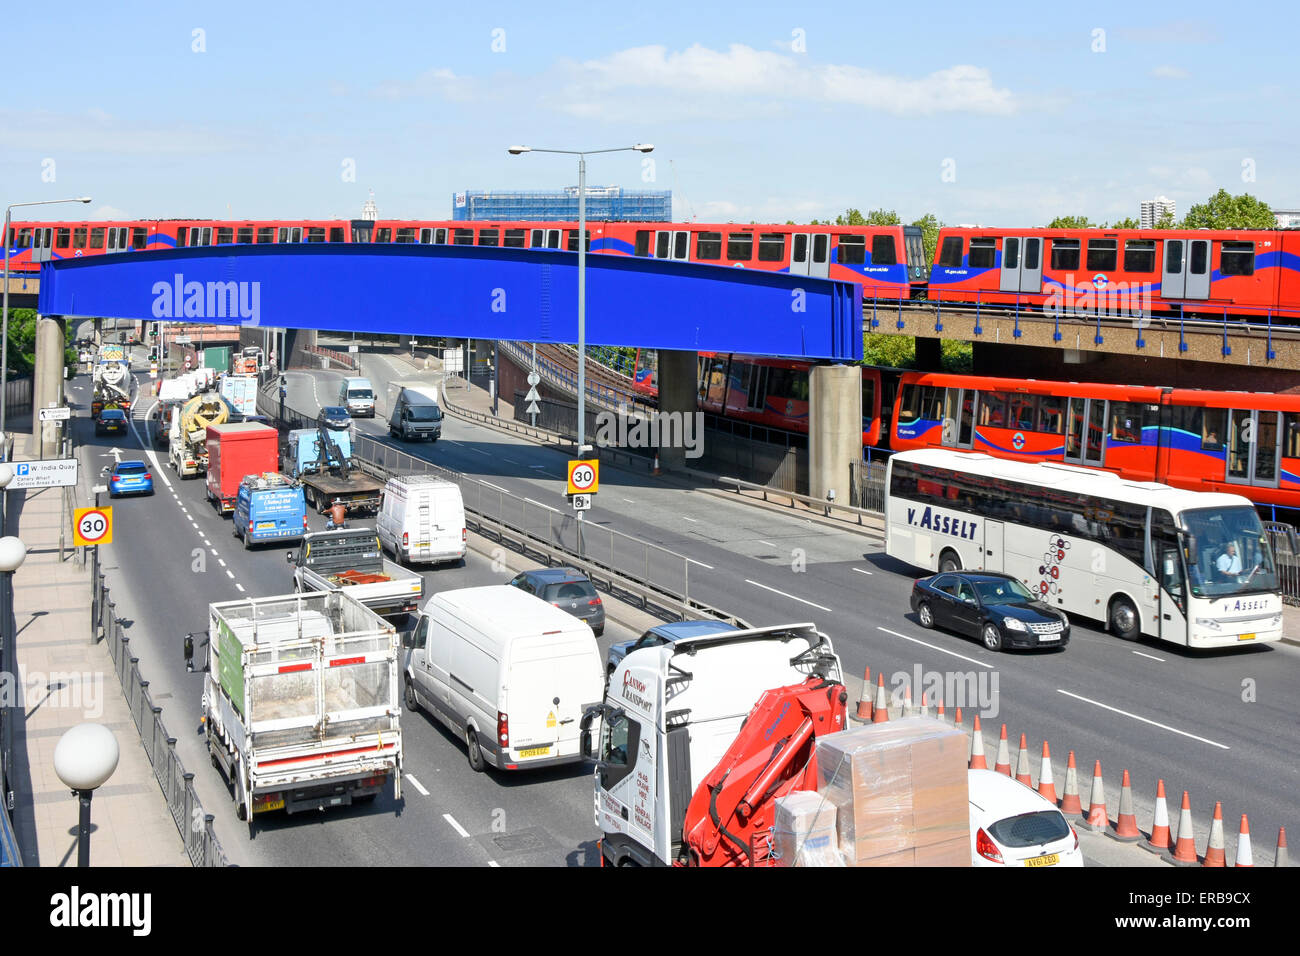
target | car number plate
x=1048, y=637
x=263, y=525
x=273, y=805
x=535, y=752
x=1051, y=859
x=1245, y=637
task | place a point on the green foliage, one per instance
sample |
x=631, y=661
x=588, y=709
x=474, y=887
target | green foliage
x=1071, y=222
x=929, y=225
x=958, y=356
x=1225, y=211
x=1126, y=223
x=1167, y=221
x=22, y=344
x=899, y=351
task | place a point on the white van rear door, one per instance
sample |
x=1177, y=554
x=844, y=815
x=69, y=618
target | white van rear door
x=549, y=686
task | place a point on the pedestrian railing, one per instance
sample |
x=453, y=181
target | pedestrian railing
x=177, y=785
x=607, y=395
x=1286, y=553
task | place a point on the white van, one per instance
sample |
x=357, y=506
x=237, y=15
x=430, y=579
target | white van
x=508, y=673
x=357, y=395
x=422, y=518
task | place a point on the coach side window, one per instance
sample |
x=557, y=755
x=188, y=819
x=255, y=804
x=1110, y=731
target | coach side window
x=852, y=250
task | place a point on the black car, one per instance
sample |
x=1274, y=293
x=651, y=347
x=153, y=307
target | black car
x=996, y=608
x=568, y=589
x=336, y=417
x=110, y=420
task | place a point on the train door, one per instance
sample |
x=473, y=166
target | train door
x=1173, y=276
x=1085, y=432
x=1254, y=447
x=810, y=254
x=673, y=244
x=1198, y=269
x=958, y=417
x=1022, y=264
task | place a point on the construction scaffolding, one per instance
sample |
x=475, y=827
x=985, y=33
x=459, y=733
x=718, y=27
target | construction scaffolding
x=604, y=204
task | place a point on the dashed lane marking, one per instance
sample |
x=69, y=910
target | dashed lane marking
x=861, y=571
x=1145, y=720
x=455, y=826
x=416, y=784
x=240, y=586
x=1149, y=656
x=790, y=596
x=941, y=650
x=230, y=574
x=700, y=563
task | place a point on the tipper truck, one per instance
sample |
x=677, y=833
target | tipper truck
x=300, y=702
x=351, y=559
x=236, y=450
x=733, y=749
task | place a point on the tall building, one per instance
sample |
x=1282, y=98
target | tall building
x=1153, y=210
x=610, y=203
x=1287, y=218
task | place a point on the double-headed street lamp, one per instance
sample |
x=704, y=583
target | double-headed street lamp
x=582, y=266
x=4, y=336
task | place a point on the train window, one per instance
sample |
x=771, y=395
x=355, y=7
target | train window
x=1010, y=253
x=97, y=237
x=820, y=244
x=1051, y=414
x=868, y=401
x=1021, y=410
x=1185, y=419
x=572, y=239
x=661, y=245
x=740, y=246
x=226, y=234
x=983, y=253
x=406, y=235
x=1032, y=249
x=950, y=253
x=1199, y=263
x=1213, y=428
x=25, y=238
x=852, y=250
x=552, y=238
x=883, y=252
x=245, y=234
x=295, y=234
x=265, y=234
x=180, y=237
x=1140, y=255
x=708, y=245
x=1291, y=435
x=1126, y=422
x=336, y=233
x=993, y=409
x=315, y=233
x=426, y=236
x=489, y=237
x=538, y=239
x=799, y=248
x=642, y=242
x=1065, y=253
x=1237, y=259
x=64, y=235
x=771, y=247
x=680, y=242
x=79, y=237
x=920, y=402
x=1173, y=256
x=462, y=237
x=1103, y=254
x=440, y=237
x=112, y=238
x=384, y=235
x=515, y=238
x=282, y=234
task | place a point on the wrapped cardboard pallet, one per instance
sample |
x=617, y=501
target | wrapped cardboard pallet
x=900, y=794
x=804, y=831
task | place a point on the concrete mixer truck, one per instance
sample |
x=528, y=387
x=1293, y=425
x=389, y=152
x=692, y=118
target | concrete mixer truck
x=111, y=378
x=187, y=450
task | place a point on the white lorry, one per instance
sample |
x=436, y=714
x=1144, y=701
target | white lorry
x=300, y=702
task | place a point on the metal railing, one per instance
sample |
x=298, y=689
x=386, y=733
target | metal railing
x=557, y=375
x=177, y=785
x=827, y=508
x=18, y=394
x=1285, y=542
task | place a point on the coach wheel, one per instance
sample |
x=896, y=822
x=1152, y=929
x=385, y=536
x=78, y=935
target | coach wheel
x=949, y=562
x=1123, y=619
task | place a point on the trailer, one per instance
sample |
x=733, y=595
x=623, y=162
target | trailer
x=321, y=458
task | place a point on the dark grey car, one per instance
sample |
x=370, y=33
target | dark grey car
x=569, y=590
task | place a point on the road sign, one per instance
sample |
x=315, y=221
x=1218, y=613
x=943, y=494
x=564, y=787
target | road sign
x=581, y=502
x=57, y=414
x=584, y=477
x=182, y=340
x=92, y=526
x=153, y=369
x=453, y=360
x=533, y=379
x=55, y=473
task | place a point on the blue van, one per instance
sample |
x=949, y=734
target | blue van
x=269, y=507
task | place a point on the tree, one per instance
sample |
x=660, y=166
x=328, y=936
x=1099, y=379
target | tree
x=22, y=343
x=899, y=351
x=1225, y=211
x=1167, y=221
x=1128, y=222
x=1071, y=222
x=929, y=225
x=878, y=217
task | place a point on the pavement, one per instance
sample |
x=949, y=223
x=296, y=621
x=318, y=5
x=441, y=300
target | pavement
x=66, y=681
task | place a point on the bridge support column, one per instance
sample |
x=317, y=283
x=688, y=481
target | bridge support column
x=677, y=385
x=834, y=429
x=47, y=387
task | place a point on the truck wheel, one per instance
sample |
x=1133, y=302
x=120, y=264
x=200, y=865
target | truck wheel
x=474, y=752
x=241, y=808
x=1123, y=619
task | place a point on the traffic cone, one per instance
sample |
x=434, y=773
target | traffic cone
x=1281, y=858
x=939, y=712
x=1126, y=825
x=1003, y=764
x=1097, y=820
x=977, y=761
x=907, y=701
x=1159, y=842
x=881, y=712
x=925, y=705
x=1022, y=763
x=656, y=467
x=1185, y=843
x=864, y=701
x=1070, y=802
x=1244, y=856
x=1046, y=785
x=957, y=719
x=1214, y=855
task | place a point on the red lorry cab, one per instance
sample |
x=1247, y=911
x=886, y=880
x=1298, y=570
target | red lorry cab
x=247, y=448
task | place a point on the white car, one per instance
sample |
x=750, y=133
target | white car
x=1011, y=825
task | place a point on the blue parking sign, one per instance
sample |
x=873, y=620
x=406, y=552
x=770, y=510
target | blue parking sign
x=23, y=469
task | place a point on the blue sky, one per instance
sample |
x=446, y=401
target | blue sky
x=997, y=114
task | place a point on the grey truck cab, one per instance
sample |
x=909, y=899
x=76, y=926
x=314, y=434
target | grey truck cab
x=415, y=415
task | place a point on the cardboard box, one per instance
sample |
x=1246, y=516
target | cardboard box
x=804, y=831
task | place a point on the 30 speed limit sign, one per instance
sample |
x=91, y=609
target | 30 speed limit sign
x=92, y=526
x=584, y=477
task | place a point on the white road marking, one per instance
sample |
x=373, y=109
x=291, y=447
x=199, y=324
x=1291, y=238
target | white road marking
x=479, y=451
x=768, y=543
x=416, y=784
x=495, y=487
x=207, y=542
x=1144, y=720
x=455, y=826
x=700, y=563
x=628, y=500
x=941, y=650
x=240, y=586
x=860, y=571
x=790, y=596
x=214, y=552
x=230, y=574
x=1151, y=656
x=691, y=520
x=511, y=460
x=493, y=863
x=221, y=561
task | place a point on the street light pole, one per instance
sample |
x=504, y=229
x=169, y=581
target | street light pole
x=4, y=308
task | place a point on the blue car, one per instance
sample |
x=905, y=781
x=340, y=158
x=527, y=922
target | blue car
x=130, y=478
x=664, y=634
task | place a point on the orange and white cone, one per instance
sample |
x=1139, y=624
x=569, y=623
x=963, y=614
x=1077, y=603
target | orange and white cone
x=1126, y=825
x=881, y=712
x=864, y=700
x=977, y=761
x=1282, y=858
x=655, y=471
x=1003, y=764
x=1070, y=802
x=1159, y=842
x=1046, y=785
x=1185, y=843
x=939, y=712
x=908, y=710
x=925, y=705
x=1022, y=764
x=1214, y=855
x=956, y=722
x=1244, y=856
x=1097, y=819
